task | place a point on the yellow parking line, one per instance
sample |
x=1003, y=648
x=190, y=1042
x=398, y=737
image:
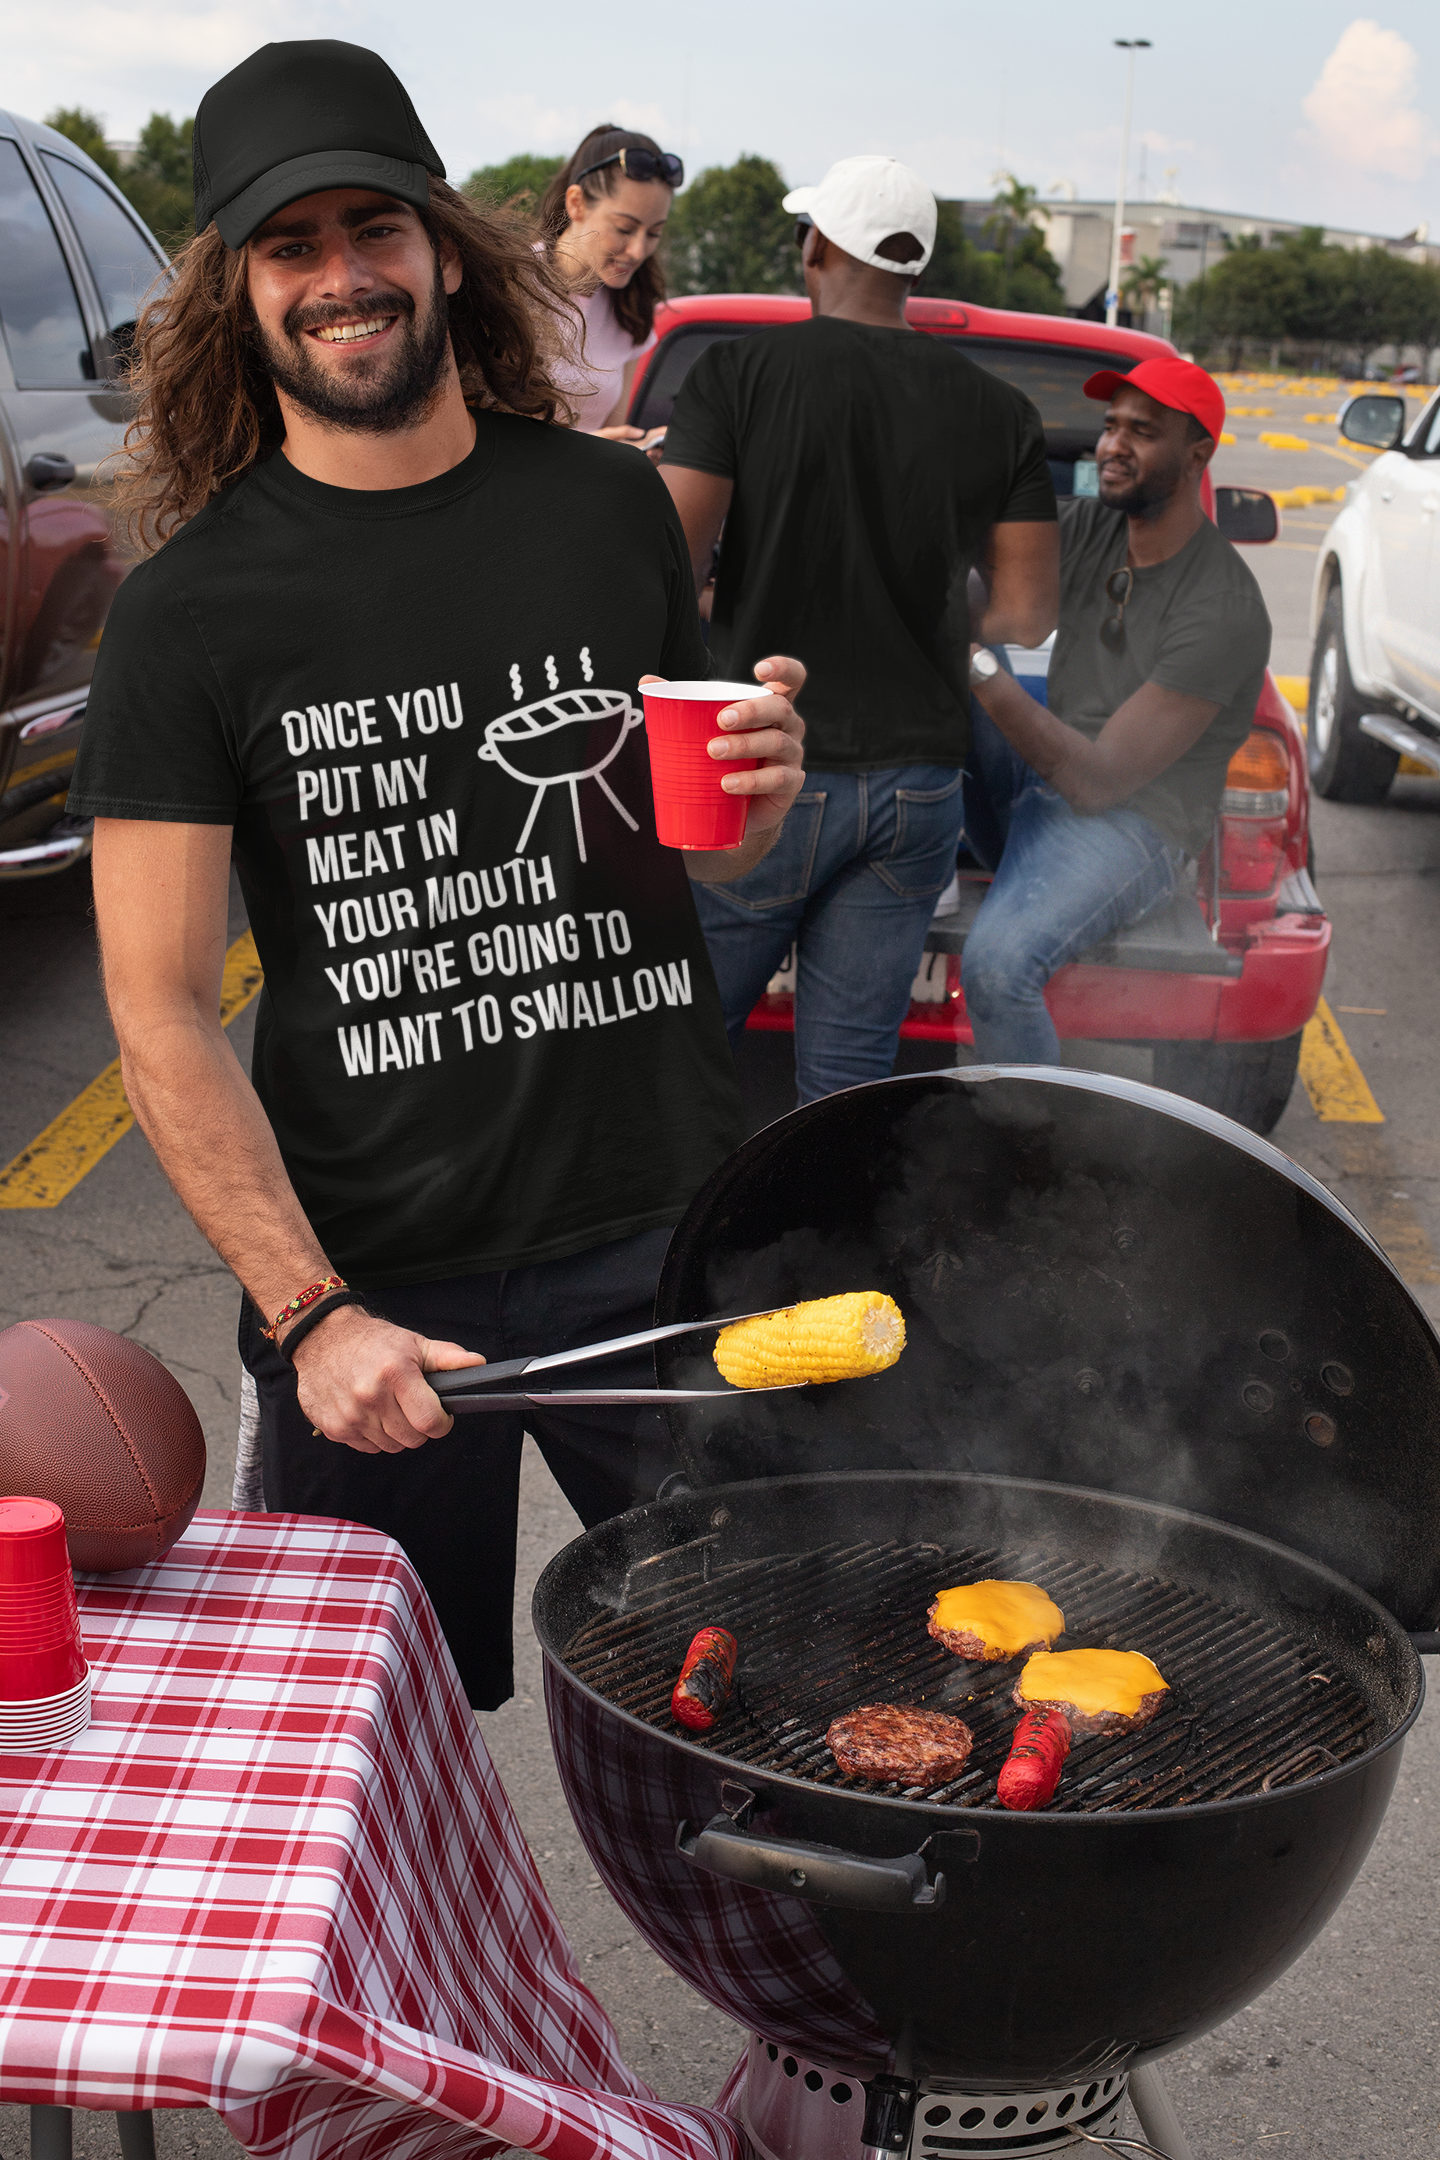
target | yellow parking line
x=1361, y=464
x=1338, y=1090
x=71, y=1144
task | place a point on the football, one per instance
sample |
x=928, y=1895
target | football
x=93, y=1422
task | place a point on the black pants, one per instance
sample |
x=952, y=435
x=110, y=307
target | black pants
x=452, y=1504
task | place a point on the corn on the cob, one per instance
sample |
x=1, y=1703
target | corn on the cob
x=833, y=1338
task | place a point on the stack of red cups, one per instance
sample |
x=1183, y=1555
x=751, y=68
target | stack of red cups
x=44, y=1679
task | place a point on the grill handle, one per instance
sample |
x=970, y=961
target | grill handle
x=822, y=1874
x=1426, y=1641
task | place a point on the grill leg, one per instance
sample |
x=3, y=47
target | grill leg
x=49, y=2133
x=1158, y=2120
x=137, y=2134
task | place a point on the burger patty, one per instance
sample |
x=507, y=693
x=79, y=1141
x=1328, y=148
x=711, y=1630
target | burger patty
x=975, y=1647
x=1083, y=1726
x=904, y=1747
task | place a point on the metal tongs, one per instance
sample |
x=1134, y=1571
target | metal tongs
x=471, y=1387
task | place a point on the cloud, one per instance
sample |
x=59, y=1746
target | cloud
x=125, y=58
x=131, y=35
x=1362, y=111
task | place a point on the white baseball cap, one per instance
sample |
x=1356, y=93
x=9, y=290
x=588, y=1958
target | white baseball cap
x=864, y=200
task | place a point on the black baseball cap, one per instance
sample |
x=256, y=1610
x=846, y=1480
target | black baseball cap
x=298, y=117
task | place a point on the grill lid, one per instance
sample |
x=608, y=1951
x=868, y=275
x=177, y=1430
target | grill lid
x=1103, y=1285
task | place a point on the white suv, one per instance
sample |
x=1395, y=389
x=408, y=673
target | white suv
x=1375, y=609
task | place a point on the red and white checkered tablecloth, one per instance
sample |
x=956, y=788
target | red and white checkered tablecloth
x=279, y=1877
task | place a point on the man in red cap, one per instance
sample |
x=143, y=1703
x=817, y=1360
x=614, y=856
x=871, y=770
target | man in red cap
x=1087, y=810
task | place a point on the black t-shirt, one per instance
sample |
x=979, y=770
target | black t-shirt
x=490, y=1033
x=869, y=466
x=1196, y=623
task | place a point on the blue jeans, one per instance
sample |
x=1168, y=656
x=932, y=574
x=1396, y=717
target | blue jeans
x=852, y=882
x=1063, y=882
x=453, y=1504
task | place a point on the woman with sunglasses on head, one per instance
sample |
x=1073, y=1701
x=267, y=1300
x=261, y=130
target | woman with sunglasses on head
x=1086, y=807
x=601, y=219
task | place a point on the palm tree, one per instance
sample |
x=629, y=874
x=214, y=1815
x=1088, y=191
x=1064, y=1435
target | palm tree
x=1142, y=282
x=1014, y=210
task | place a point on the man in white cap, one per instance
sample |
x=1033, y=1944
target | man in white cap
x=884, y=501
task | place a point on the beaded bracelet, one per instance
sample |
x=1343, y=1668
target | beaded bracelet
x=300, y=1301
x=312, y=1316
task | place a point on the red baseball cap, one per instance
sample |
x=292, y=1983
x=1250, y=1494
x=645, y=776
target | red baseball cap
x=1170, y=381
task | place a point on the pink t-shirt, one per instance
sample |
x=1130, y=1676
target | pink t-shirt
x=594, y=387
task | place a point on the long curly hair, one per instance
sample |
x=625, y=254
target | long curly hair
x=635, y=303
x=206, y=408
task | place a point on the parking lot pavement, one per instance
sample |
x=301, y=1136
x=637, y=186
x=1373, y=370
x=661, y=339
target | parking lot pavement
x=1285, y=568
x=120, y=1250
x=1338, y=2060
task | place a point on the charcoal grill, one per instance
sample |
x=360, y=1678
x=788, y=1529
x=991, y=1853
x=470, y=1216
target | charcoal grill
x=1250, y=1707
x=1151, y=1366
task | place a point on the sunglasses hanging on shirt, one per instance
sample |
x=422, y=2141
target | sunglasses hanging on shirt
x=1118, y=588
x=641, y=165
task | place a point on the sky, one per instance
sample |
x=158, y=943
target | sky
x=1309, y=112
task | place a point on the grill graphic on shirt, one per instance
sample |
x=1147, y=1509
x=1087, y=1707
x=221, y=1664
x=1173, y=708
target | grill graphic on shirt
x=561, y=741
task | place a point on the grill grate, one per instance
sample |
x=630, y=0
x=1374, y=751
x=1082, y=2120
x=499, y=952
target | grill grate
x=821, y=1632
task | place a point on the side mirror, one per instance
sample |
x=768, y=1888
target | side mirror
x=1377, y=421
x=1248, y=516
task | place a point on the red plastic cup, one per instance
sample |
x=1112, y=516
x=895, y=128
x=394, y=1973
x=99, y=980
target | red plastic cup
x=41, y=1655
x=692, y=810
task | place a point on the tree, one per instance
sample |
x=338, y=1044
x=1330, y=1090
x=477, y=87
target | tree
x=87, y=131
x=157, y=180
x=1033, y=282
x=1302, y=292
x=1013, y=215
x=1385, y=300
x=517, y=185
x=729, y=233
x=958, y=270
x=1248, y=295
x=1029, y=275
x=1144, y=281
x=160, y=179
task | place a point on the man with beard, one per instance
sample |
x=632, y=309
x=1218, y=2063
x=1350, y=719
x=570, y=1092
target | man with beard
x=388, y=653
x=1086, y=811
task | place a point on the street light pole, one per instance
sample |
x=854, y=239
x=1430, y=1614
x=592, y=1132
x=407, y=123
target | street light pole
x=1112, y=297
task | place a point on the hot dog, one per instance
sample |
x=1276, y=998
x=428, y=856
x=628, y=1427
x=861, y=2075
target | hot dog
x=1031, y=1770
x=703, y=1688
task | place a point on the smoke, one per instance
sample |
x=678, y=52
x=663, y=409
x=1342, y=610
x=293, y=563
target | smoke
x=1097, y=1293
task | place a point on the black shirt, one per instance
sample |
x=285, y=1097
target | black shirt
x=868, y=465
x=490, y=1033
x=1196, y=623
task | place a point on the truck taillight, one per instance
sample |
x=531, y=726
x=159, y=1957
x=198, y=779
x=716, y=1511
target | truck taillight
x=1257, y=783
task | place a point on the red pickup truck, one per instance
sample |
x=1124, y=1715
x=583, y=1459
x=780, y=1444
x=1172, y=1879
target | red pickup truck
x=1220, y=982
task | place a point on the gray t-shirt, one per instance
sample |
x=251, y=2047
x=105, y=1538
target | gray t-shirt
x=1196, y=624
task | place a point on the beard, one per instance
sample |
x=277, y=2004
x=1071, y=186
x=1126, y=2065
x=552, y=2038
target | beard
x=375, y=396
x=1144, y=496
